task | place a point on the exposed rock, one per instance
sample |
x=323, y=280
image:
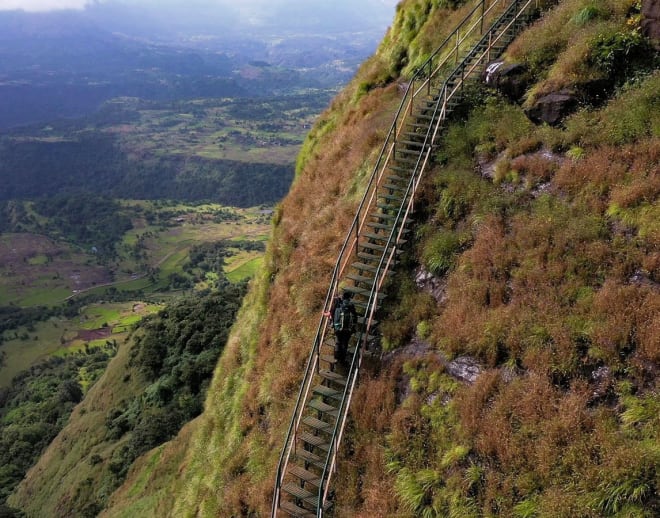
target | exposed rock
x=602, y=380
x=486, y=164
x=428, y=282
x=641, y=278
x=511, y=80
x=540, y=189
x=464, y=368
x=651, y=21
x=552, y=108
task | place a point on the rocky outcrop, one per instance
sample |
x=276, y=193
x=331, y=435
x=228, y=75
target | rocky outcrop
x=464, y=368
x=510, y=79
x=552, y=108
x=651, y=21
x=431, y=284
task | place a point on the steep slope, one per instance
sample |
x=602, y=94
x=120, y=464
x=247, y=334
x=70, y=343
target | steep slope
x=521, y=341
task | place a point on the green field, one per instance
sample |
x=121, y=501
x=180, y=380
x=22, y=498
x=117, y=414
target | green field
x=244, y=130
x=37, y=270
x=96, y=324
x=244, y=266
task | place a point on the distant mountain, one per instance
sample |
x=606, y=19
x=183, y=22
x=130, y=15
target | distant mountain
x=66, y=63
x=253, y=19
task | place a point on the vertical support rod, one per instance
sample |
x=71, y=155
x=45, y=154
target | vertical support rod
x=483, y=10
x=490, y=43
x=428, y=81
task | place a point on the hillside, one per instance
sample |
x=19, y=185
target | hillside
x=520, y=348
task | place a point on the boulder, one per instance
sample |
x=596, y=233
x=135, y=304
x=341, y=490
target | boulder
x=464, y=368
x=510, y=79
x=431, y=284
x=650, y=23
x=552, y=108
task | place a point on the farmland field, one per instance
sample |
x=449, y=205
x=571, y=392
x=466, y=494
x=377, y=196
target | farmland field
x=94, y=326
x=244, y=130
x=38, y=270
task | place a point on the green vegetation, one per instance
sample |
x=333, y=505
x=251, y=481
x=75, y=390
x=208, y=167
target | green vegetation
x=90, y=221
x=37, y=405
x=167, y=365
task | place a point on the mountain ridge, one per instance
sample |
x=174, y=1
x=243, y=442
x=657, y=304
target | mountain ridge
x=543, y=244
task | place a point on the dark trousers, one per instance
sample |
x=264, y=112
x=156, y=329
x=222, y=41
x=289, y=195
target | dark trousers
x=341, y=345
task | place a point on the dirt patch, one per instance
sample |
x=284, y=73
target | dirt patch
x=88, y=335
x=31, y=262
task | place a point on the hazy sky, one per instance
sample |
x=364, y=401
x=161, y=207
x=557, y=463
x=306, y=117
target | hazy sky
x=47, y=5
x=41, y=5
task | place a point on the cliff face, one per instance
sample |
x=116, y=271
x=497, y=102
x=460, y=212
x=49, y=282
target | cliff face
x=521, y=340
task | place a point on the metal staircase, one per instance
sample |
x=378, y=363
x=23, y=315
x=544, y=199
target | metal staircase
x=370, y=250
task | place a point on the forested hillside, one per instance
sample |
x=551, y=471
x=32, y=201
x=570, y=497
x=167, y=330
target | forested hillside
x=519, y=354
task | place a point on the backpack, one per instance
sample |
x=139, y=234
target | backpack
x=344, y=317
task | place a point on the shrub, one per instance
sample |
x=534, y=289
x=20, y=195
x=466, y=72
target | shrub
x=439, y=254
x=587, y=14
x=616, y=51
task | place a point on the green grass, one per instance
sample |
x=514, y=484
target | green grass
x=245, y=270
x=21, y=354
x=38, y=260
x=96, y=316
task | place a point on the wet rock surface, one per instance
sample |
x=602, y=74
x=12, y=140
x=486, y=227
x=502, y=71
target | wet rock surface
x=552, y=108
x=511, y=79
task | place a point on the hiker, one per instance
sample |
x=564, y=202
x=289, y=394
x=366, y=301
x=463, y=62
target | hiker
x=344, y=318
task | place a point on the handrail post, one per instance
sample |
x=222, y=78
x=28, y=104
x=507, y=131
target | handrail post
x=428, y=81
x=483, y=10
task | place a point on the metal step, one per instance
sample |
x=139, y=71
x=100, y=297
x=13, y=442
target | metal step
x=390, y=197
x=411, y=143
x=388, y=206
x=370, y=257
x=379, y=248
x=301, y=494
x=385, y=237
x=405, y=161
x=309, y=458
x=361, y=291
x=380, y=226
x=398, y=178
x=392, y=187
x=360, y=278
x=305, y=475
x=297, y=512
x=418, y=125
x=386, y=217
x=324, y=391
x=315, y=440
x=386, y=228
x=324, y=408
x=317, y=424
x=406, y=151
x=333, y=376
